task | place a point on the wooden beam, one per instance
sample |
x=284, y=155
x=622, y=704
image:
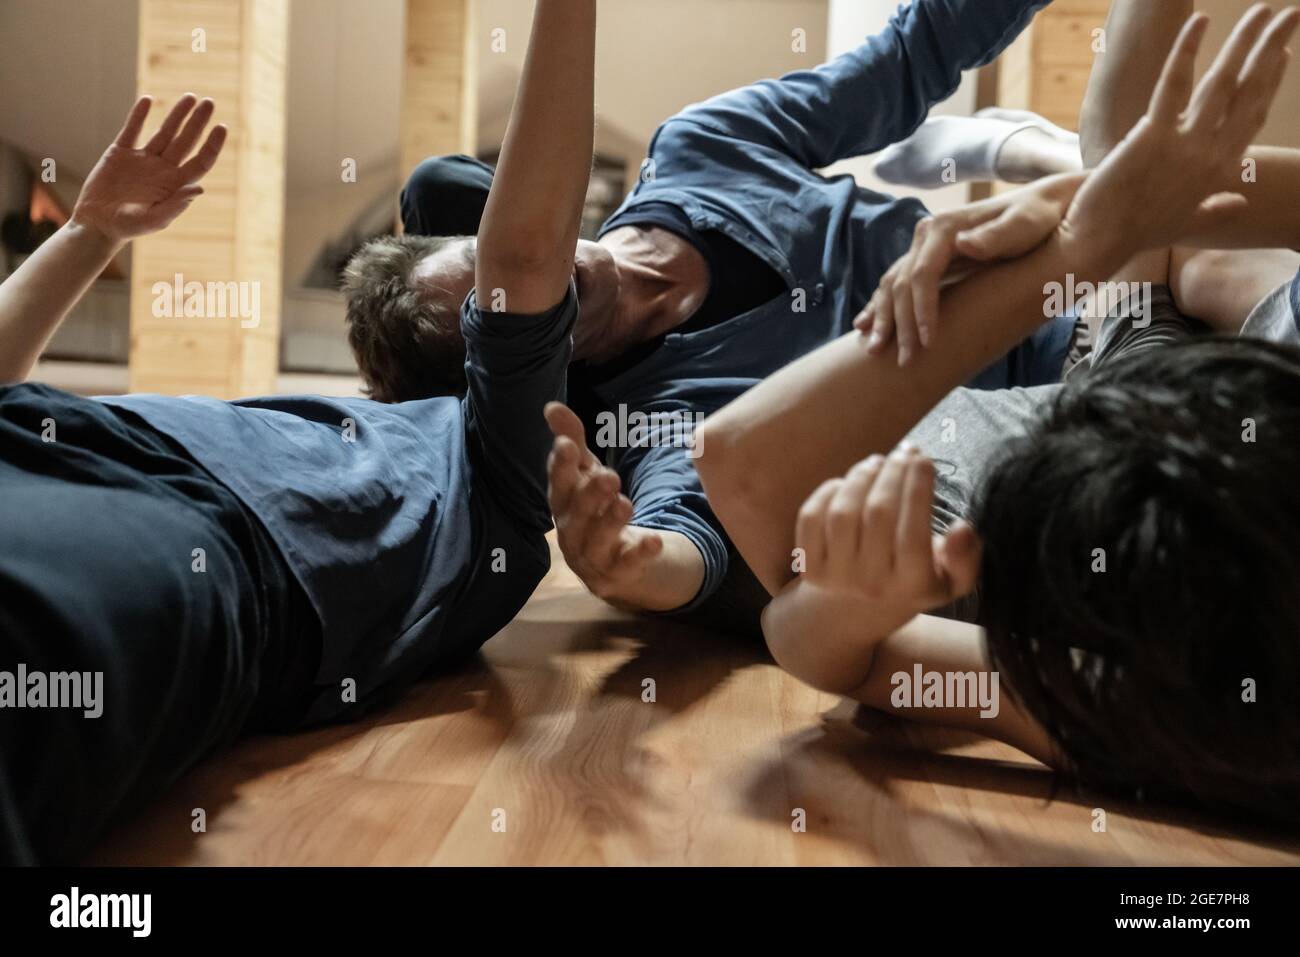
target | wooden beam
x=439, y=81
x=1047, y=69
x=221, y=335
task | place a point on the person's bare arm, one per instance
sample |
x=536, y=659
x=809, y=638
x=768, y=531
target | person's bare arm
x=1269, y=178
x=852, y=621
x=638, y=569
x=764, y=453
x=950, y=647
x=129, y=193
x=529, y=232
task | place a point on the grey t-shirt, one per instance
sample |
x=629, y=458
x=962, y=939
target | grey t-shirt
x=967, y=431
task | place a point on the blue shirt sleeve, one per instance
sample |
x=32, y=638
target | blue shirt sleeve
x=667, y=495
x=515, y=365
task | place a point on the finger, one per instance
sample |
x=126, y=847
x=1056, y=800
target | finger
x=130, y=131
x=844, y=515
x=201, y=163
x=1174, y=88
x=904, y=322
x=1017, y=231
x=913, y=547
x=637, y=550
x=595, y=492
x=161, y=214
x=880, y=519
x=167, y=132
x=957, y=561
x=180, y=147
x=866, y=319
x=883, y=332
x=932, y=263
x=564, y=422
x=1260, y=80
x=562, y=475
x=882, y=321
x=605, y=533
x=1217, y=214
x=810, y=528
x=1219, y=85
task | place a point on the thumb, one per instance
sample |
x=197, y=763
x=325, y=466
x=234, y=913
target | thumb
x=163, y=213
x=957, y=559
x=985, y=242
x=1215, y=213
x=1018, y=230
x=640, y=546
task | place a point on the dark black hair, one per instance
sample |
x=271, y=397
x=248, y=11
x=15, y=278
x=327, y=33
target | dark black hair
x=1175, y=671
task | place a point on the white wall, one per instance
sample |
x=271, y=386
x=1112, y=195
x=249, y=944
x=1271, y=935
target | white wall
x=67, y=76
x=655, y=57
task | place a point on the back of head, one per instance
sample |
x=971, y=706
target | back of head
x=1141, y=575
x=405, y=333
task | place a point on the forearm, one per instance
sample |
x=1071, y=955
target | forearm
x=669, y=581
x=1270, y=181
x=530, y=226
x=764, y=454
x=1139, y=36
x=36, y=298
x=822, y=638
x=937, y=645
x=827, y=641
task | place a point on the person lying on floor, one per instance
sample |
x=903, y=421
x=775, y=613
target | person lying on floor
x=731, y=257
x=232, y=567
x=1131, y=553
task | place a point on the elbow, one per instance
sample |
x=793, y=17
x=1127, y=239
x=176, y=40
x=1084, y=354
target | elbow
x=805, y=653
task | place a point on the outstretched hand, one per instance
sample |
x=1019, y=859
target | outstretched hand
x=591, y=515
x=1179, y=170
x=134, y=191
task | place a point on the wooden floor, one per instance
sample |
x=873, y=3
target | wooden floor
x=549, y=736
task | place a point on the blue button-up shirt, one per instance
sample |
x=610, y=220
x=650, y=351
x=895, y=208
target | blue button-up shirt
x=746, y=163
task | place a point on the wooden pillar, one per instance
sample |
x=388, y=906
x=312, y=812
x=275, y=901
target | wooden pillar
x=439, y=81
x=1047, y=69
x=221, y=335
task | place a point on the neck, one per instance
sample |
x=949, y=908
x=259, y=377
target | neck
x=662, y=282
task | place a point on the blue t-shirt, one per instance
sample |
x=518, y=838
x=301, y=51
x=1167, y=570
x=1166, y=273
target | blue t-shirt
x=416, y=529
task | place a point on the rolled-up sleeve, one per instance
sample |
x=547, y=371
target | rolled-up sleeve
x=667, y=496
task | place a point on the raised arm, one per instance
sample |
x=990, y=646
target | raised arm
x=529, y=232
x=765, y=453
x=131, y=192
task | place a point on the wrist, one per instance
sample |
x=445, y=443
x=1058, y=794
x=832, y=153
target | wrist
x=1091, y=256
x=92, y=238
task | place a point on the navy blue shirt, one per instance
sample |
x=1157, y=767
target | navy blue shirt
x=416, y=529
x=747, y=164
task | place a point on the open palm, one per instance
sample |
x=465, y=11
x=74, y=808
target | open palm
x=135, y=191
x=1168, y=177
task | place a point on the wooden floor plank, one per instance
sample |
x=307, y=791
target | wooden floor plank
x=550, y=750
